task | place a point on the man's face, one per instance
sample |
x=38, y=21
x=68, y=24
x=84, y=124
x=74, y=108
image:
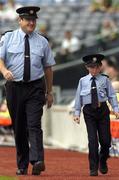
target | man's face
x=94, y=70
x=27, y=25
x=104, y=65
x=112, y=72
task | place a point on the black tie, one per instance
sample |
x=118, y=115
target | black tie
x=94, y=94
x=26, y=75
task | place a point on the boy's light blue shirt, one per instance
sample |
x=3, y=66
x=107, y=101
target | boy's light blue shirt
x=12, y=53
x=104, y=89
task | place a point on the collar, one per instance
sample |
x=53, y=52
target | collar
x=97, y=76
x=22, y=33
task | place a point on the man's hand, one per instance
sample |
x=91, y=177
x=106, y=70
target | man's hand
x=49, y=100
x=7, y=75
x=116, y=114
x=77, y=119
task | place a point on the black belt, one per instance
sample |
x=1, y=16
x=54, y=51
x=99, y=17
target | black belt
x=29, y=82
x=99, y=104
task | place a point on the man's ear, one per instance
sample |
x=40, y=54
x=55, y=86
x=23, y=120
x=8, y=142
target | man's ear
x=19, y=19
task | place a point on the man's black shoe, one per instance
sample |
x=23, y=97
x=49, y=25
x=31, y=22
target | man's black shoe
x=93, y=173
x=38, y=167
x=21, y=172
x=103, y=167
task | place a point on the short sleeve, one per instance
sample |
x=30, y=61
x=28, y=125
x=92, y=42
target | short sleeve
x=2, y=47
x=48, y=59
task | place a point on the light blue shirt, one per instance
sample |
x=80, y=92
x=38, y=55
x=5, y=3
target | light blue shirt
x=105, y=92
x=12, y=52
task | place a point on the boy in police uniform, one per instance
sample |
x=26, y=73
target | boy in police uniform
x=92, y=93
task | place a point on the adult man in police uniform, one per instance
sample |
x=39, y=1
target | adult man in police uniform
x=25, y=58
x=110, y=66
x=93, y=91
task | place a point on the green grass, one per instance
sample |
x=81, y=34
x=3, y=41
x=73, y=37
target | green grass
x=7, y=178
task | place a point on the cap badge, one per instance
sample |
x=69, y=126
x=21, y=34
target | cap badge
x=31, y=12
x=94, y=59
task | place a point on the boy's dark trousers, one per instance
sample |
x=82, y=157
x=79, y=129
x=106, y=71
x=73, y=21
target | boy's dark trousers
x=98, y=129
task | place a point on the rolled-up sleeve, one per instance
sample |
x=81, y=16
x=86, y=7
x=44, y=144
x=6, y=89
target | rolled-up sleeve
x=112, y=98
x=78, y=104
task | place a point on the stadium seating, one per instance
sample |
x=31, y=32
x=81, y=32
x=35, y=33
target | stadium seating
x=79, y=19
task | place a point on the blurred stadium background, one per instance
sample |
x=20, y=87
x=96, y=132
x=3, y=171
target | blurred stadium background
x=93, y=26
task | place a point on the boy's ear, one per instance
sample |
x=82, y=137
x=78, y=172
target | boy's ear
x=87, y=67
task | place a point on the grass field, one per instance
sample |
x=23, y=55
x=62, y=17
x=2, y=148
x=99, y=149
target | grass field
x=7, y=178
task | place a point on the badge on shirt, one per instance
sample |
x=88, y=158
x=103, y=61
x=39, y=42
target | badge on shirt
x=1, y=43
x=102, y=94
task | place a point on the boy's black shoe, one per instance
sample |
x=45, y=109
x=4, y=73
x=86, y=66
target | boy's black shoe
x=21, y=172
x=38, y=167
x=103, y=168
x=93, y=173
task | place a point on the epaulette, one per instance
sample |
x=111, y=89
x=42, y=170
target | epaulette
x=6, y=32
x=40, y=34
x=105, y=75
x=44, y=36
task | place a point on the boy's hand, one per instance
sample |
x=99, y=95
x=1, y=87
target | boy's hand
x=77, y=119
x=116, y=114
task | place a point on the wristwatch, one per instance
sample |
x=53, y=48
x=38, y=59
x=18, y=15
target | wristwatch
x=49, y=93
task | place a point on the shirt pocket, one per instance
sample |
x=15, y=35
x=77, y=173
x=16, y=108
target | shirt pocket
x=14, y=54
x=37, y=56
x=85, y=92
x=14, y=50
x=85, y=96
x=37, y=52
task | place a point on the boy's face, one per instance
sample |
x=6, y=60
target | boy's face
x=94, y=70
